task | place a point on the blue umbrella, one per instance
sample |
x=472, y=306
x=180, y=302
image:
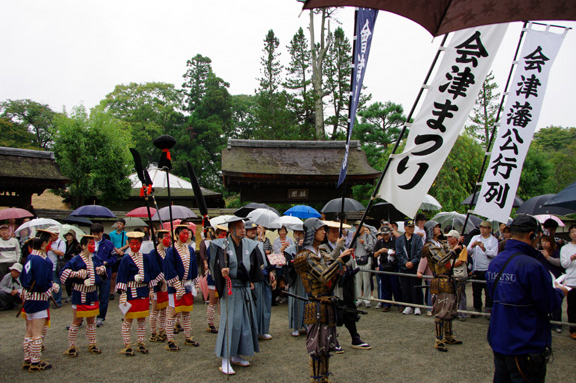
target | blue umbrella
x=303, y=211
x=93, y=211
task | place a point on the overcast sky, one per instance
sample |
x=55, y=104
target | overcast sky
x=70, y=52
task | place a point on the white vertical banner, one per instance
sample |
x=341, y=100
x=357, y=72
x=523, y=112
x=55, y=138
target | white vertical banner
x=518, y=123
x=449, y=100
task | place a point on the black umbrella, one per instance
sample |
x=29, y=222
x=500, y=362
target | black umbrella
x=246, y=209
x=77, y=220
x=387, y=211
x=566, y=198
x=535, y=206
x=517, y=201
x=335, y=205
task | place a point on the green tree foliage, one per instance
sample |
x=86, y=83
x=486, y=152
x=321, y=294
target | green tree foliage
x=484, y=111
x=298, y=82
x=274, y=120
x=16, y=135
x=380, y=125
x=244, y=116
x=456, y=179
x=92, y=150
x=150, y=110
x=210, y=125
x=549, y=162
x=337, y=77
x=37, y=118
x=199, y=68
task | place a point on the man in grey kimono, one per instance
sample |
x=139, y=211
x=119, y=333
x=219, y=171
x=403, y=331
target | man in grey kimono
x=234, y=267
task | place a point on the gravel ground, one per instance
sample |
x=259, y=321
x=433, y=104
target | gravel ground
x=402, y=352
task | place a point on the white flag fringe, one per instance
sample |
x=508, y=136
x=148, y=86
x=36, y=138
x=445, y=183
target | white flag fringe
x=451, y=96
x=518, y=123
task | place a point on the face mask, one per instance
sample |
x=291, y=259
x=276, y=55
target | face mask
x=134, y=245
x=91, y=246
x=183, y=236
x=166, y=241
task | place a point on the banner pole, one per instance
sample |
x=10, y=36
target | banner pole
x=397, y=144
x=492, y=133
x=348, y=138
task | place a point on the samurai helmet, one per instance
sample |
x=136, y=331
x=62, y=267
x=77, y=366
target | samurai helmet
x=429, y=228
x=311, y=225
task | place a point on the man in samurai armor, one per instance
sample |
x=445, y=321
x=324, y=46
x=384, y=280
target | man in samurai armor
x=319, y=273
x=442, y=286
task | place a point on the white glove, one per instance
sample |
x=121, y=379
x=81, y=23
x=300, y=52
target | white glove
x=138, y=278
x=87, y=282
x=100, y=270
x=55, y=287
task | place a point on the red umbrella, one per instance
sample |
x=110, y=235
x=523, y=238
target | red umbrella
x=14, y=213
x=141, y=212
x=442, y=16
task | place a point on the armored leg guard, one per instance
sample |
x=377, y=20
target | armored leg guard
x=448, y=336
x=440, y=345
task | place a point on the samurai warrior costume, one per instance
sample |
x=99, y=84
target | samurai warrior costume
x=445, y=306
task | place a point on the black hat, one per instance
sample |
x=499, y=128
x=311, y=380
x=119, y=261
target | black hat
x=409, y=222
x=250, y=225
x=525, y=224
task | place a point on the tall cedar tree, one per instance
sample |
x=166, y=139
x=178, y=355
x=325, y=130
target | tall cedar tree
x=485, y=111
x=274, y=118
x=338, y=74
x=298, y=83
x=199, y=67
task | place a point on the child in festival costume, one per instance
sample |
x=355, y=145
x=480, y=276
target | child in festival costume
x=137, y=275
x=85, y=271
x=160, y=297
x=180, y=269
x=37, y=286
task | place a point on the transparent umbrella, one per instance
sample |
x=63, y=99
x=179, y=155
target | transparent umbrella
x=264, y=217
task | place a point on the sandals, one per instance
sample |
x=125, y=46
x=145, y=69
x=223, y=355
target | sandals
x=154, y=338
x=93, y=349
x=190, y=342
x=178, y=328
x=441, y=346
x=142, y=349
x=452, y=340
x=71, y=352
x=162, y=336
x=212, y=329
x=26, y=365
x=127, y=351
x=171, y=346
x=40, y=366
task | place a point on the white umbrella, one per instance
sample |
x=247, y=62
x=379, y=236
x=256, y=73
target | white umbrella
x=430, y=203
x=38, y=223
x=66, y=228
x=291, y=223
x=264, y=217
x=220, y=220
